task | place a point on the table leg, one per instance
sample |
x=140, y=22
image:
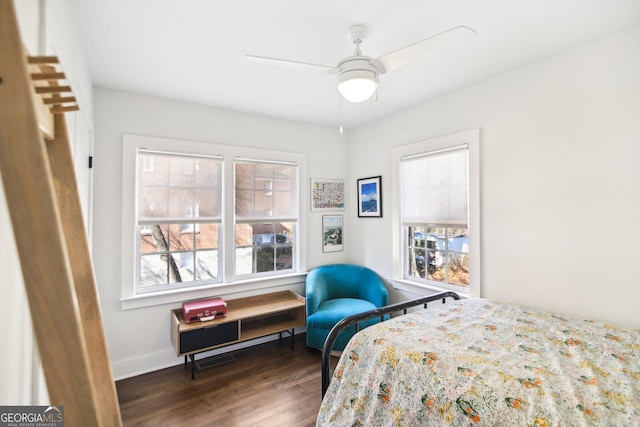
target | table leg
x=193, y=366
x=293, y=341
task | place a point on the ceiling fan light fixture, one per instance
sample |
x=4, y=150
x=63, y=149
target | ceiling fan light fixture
x=357, y=85
x=358, y=79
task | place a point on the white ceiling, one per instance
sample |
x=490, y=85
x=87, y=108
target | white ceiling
x=193, y=50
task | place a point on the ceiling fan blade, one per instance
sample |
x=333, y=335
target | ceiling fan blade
x=408, y=54
x=291, y=64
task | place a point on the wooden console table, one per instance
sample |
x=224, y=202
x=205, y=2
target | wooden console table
x=246, y=319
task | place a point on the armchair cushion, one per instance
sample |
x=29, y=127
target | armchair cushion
x=332, y=311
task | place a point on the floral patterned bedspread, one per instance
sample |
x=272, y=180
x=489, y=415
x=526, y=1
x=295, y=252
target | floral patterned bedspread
x=480, y=362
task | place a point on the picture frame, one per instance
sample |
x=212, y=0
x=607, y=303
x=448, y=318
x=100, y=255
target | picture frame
x=327, y=194
x=332, y=233
x=370, y=197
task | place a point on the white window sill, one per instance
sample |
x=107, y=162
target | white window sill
x=218, y=290
x=420, y=288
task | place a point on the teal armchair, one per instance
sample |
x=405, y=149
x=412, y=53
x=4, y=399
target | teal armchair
x=336, y=291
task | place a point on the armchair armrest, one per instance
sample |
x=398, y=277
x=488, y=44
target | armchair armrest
x=373, y=289
x=316, y=291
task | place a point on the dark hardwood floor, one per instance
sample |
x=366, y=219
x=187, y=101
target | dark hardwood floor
x=267, y=385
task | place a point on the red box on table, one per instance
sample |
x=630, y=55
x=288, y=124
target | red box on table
x=203, y=310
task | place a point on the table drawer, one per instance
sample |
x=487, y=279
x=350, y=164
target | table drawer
x=208, y=336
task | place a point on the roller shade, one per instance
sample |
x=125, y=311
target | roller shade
x=265, y=190
x=435, y=188
x=178, y=188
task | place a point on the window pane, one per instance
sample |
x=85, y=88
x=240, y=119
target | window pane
x=183, y=264
x=207, y=236
x=244, y=260
x=153, y=270
x=153, y=238
x=416, y=263
x=181, y=237
x=284, y=233
x=436, y=266
x=264, y=258
x=435, y=238
x=417, y=236
x=458, y=240
x=206, y=265
x=263, y=234
x=459, y=269
x=284, y=258
x=244, y=234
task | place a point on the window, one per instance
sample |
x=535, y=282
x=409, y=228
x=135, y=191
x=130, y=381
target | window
x=178, y=216
x=266, y=217
x=201, y=216
x=438, y=212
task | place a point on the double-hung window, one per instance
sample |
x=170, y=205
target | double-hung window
x=438, y=212
x=178, y=220
x=266, y=217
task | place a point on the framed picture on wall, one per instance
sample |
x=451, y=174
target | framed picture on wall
x=331, y=233
x=370, y=197
x=327, y=194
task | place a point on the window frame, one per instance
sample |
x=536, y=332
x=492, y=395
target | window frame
x=129, y=298
x=470, y=138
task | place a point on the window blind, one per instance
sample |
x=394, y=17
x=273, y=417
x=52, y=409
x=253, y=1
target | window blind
x=178, y=188
x=435, y=188
x=265, y=190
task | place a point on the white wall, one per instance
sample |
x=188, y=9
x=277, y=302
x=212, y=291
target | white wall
x=139, y=339
x=47, y=28
x=559, y=154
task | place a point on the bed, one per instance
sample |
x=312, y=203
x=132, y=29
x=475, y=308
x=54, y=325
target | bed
x=481, y=362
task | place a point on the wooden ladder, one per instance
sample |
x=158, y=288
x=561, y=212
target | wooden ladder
x=44, y=205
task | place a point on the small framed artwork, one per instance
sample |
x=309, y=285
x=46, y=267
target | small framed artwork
x=370, y=197
x=331, y=233
x=327, y=194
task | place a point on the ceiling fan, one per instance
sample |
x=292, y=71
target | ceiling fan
x=358, y=74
